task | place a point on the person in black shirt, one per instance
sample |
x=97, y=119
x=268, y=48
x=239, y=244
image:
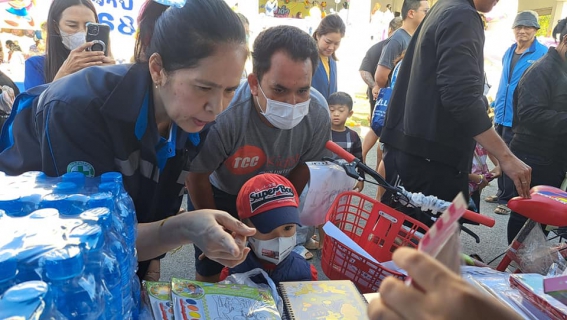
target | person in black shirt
x=370, y=62
x=437, y=110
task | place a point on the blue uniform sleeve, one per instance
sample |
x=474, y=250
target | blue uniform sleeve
x=34, y=72
x=73, y=138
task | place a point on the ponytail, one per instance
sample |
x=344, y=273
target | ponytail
x=149, y=14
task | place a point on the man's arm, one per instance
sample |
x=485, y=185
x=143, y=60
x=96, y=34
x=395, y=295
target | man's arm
x=210, y=157
x=392, y=50
x=200, y=190
x=513, y=167
x=367, y=77
x=299, y=176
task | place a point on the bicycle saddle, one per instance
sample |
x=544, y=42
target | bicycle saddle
x=548, y=205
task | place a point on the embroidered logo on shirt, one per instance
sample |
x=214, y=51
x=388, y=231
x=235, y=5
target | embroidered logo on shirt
x=83, y=167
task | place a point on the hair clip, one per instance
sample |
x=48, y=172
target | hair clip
x=172, y=3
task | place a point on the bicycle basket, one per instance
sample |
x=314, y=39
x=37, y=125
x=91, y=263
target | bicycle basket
x=375, y=227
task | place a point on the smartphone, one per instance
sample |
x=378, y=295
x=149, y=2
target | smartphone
x=99, y=34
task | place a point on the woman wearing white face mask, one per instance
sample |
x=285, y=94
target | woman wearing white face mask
x=66, y=46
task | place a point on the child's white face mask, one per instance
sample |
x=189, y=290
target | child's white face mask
x=274, y=250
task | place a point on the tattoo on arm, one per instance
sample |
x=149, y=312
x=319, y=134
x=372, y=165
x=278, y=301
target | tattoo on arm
x=368, y=78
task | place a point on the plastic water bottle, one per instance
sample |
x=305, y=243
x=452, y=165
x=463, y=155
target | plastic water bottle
x=8, y=270
x=125, y=205
x=28, y=300
x=76, y=178
x=73, y=289
x=117, y=272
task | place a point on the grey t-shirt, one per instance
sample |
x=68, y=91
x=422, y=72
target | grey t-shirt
x=239, y=145
x=399, y=41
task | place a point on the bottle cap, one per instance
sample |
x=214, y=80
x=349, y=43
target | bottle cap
x=65, y=188
x=74, y=177
x=26, y=291
x=111, y=177
x=63, y=264
x=11, y=204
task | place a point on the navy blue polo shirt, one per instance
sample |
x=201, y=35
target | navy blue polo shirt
x=97, y=120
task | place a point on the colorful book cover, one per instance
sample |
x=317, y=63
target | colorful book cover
x=215, y=301
x=337, y=299
x=159, y=294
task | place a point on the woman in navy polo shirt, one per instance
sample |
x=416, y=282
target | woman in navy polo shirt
x=135, y=119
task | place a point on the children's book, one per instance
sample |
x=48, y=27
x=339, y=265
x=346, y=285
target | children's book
x=215, y=301
x=159, y=296
x=330, y=299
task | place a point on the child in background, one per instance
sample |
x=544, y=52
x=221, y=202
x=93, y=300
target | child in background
x=269, y=203
x=340, y=106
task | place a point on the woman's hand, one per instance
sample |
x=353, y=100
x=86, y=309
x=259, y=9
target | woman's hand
x=221, y=237
x=80, y=58
x=445, y=295
x=496, y=172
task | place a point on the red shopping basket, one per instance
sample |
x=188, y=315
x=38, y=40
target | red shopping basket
x=375, y=227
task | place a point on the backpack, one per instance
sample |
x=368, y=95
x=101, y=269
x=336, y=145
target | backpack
x=560, y=28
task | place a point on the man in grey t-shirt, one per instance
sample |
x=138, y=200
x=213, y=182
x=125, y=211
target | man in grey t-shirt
x=413, y=12
x=275, y=123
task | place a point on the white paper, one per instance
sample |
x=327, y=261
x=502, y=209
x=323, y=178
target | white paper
x=327, y=181
x=332, y=231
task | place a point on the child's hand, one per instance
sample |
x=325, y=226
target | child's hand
x=496, y=172
x=359, y=186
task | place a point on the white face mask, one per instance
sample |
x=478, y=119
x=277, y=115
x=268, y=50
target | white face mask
x=275, y=250
x=72, y=41
x=284, y=115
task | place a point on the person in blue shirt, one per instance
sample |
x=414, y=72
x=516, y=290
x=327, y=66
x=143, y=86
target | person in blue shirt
x=66, y=46
x=517, y=59
x=328, y=35
x=135, y=119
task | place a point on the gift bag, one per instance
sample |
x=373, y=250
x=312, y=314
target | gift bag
x=380, y=110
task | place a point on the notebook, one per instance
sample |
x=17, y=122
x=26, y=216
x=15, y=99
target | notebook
x=338, y=299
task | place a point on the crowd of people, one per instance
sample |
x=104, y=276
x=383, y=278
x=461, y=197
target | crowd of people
x=183, y=117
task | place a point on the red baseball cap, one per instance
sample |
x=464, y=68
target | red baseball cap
x=269, y=201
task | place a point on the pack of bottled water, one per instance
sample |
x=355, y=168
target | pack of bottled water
x=67, y=248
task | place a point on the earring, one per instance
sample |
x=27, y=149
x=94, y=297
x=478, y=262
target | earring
x=156, y=85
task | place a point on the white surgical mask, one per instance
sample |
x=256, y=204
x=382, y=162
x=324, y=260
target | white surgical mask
x=284, y=115
x=274, y=250
x=72, y=41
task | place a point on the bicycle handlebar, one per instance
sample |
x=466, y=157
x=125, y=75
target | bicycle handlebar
x=416, y=199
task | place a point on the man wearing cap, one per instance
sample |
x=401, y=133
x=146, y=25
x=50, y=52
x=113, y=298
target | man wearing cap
x=516, y=61
x=269, y=203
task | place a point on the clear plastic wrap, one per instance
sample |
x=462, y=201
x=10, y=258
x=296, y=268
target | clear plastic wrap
x=534, y=254
x=75, y=234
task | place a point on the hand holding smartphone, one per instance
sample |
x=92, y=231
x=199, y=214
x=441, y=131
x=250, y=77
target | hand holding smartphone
x=98, y=34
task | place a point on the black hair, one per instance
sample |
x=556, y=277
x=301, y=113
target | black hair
x=243, y=18
x=410, y=5
x=9, y=43
x=55, y=51
x=147, y=18
x=560, y=29
x=297, y=44
x=330, y=24
x=183, y=36
x=340, y=99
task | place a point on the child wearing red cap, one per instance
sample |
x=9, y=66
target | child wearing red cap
x=269, y=203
